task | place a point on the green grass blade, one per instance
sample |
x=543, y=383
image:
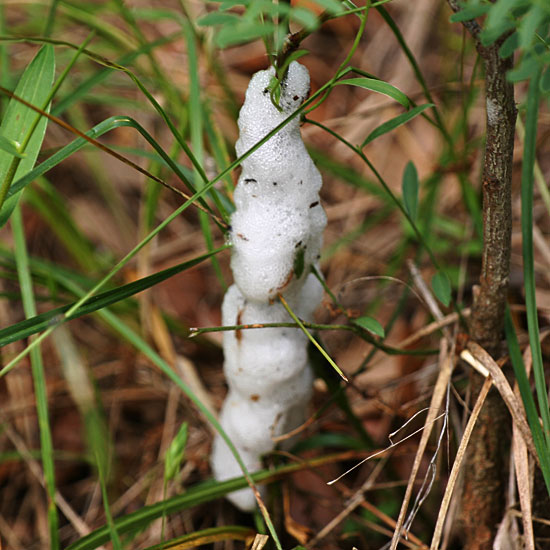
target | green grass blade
x=98, y=130
x=375, y=85
x=312, y=339
x=416, y=68
x=21, y=124
x=395, y=122
x=39, y=378
x=200, y=493
x=207, y=536
x=527, y=397
x=44, y=320
x=113, y=532
x=529, y=154
x=196, y=130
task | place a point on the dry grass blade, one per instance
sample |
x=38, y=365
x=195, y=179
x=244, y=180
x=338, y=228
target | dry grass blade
x=521, y=464
x=259, y=542
x=440, y=390
x=460, y=454
x=479, y=355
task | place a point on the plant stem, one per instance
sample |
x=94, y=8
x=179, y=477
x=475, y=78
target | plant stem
x=483, y=499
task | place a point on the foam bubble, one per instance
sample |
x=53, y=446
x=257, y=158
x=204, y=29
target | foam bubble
x=276, y=235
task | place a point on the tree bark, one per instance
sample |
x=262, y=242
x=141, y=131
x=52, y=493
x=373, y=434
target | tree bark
x=483, y=498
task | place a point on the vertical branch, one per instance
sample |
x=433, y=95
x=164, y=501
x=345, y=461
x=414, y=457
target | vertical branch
x=487, y=320
x=483, y=498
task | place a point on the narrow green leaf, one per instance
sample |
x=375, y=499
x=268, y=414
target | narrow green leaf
x=527, y=397
x=203, y=537
x=20, y=122
x=217, y=18
x=490, y=35
x=441, y=287
x=509, y=46
x=525, y=70
x=175, y=452
x=312, y=339
x=205, y=491
x=469, y=13
x=529, y=24
x=243, y=32
x=44, y=320
x=379, y=86
x=500, y=15
x=394, y=123
x=370, y=324
x=410, y=190
x=103, y=127
x=528, y=163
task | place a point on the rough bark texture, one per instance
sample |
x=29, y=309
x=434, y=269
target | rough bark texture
x=483, y=499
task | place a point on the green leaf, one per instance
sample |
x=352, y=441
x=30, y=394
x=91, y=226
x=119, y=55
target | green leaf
x=11, y=147
x=19, y=123
x=40, y=322
x=469, y=13
x=524, y=70
x=379, y=86
x=509, y=46
x=217, y=18
x=370, y=324
x=488, y=36
x=394, y=123
x=245, y=31
x=410, y=190
x=441, y=287
x=528, y=26
x=174, y=454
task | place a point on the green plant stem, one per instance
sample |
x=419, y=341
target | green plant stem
x=529, y=156
x=39, y=378
x=362, y=333
x=312, y=339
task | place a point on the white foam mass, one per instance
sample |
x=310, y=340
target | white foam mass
x=276, y=232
